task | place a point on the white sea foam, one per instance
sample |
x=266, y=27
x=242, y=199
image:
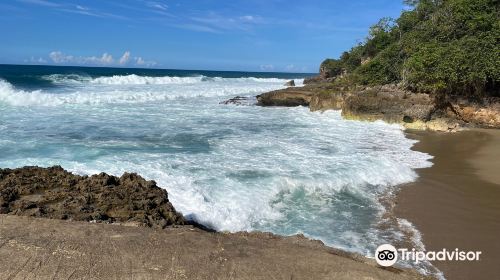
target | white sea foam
x=234, y=168
x=134, y=79
x=144, y=80
x=12, y=96
x=425, y=266
x=134, y=89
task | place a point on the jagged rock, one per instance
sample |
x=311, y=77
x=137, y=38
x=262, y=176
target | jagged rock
x=290, y=83
x=56, y=193
x=239, y=100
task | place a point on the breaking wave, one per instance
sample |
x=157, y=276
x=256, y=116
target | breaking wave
x=134, y=89
x=134, y=79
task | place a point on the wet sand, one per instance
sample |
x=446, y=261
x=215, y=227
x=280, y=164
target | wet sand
x=456, y=203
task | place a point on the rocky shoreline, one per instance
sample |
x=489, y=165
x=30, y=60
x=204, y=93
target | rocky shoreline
x=131, y=219
x=58, y=194
x=391, y=104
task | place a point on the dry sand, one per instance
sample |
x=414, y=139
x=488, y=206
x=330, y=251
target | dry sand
x=456, y=203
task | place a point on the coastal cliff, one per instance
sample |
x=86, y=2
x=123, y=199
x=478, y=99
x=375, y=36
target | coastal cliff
x=391, y=104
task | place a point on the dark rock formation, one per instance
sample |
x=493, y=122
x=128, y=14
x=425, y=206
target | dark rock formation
x=55, y=193
x=239, y=100
x=290, y=83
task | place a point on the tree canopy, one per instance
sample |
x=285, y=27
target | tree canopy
x=439, y=46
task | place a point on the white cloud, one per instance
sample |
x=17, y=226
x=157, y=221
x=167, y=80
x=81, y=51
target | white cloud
x=106, y=59
x=157, y=5
x=219, y=22
x=267, y=67
x=41, y=3
x=197, y=27
x=125, y=58
x=82, y=8
x=247, y=18
x=72, y=8
x=139, y=61
x=61, y=58
x=37, y=60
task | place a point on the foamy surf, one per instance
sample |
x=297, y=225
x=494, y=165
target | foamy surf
x=134, y=89
x=134, y=79
x=234, y=168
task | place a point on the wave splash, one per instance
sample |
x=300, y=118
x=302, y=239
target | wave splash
x=134, y=79
x=79, y=89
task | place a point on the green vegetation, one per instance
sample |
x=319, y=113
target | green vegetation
x=440, y=46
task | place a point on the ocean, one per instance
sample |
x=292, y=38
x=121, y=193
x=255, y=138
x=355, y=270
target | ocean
x=232, y=168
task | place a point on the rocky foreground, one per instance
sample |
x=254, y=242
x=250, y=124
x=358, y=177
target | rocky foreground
x=58, y=194
x=391, y=104
x=156, y=244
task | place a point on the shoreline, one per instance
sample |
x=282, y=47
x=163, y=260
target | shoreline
x=454, y=203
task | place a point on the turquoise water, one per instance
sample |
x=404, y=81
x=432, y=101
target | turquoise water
x=284, y=170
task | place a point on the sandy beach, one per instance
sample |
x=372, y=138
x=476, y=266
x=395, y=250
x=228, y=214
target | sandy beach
x=454, y=204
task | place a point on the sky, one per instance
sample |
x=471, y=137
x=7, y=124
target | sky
x=251, y=35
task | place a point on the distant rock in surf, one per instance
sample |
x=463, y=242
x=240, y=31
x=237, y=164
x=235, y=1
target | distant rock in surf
x=240, y=100
x=290, y=83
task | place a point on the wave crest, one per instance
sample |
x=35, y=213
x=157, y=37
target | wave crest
x=134, y=79
x=93, y=93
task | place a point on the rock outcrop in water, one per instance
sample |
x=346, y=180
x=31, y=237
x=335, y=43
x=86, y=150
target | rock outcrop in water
x=391, y=104
x=239, y=100
x=56, y=193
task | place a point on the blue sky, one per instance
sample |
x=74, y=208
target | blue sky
x=253, y=35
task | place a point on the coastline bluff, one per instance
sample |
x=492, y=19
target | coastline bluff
x=389, y=103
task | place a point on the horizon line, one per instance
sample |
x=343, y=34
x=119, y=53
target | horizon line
x=152, y=68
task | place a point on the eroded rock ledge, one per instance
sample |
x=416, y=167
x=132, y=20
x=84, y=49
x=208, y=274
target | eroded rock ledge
x=391, y=104
x=58, y=194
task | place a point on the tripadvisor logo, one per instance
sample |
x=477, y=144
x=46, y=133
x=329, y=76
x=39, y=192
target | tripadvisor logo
x=388, y=255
